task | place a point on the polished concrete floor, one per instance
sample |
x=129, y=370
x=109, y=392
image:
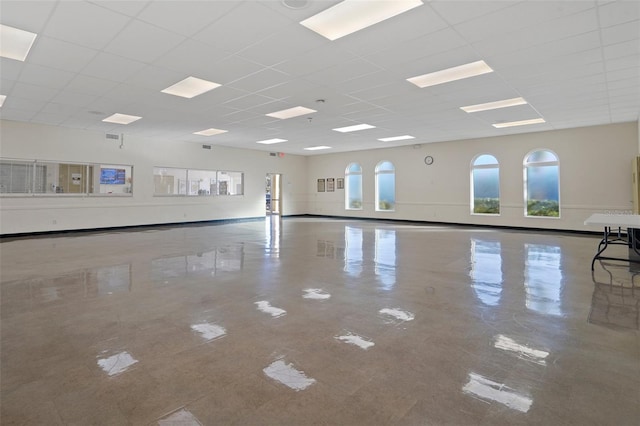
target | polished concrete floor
x=305, y=321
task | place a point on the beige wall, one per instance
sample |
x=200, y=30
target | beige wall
x=595, y=176
x=56, y=212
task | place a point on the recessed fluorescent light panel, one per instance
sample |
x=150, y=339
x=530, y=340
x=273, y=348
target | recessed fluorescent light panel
x=15, y=43
x=210, y=132
x=121, y=118
x=397, y=138
x=519, y=123
x=494, y=105
x=350, y=16
x=2, y=98
x=271, y=141
x=354, y=128
x=316, y=148
x=190, y=87
x=451, y=74
x=291, y=112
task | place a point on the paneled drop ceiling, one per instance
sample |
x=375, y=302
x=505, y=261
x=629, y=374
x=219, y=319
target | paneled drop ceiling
x=576, y=63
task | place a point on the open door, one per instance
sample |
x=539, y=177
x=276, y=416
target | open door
x=273, y=195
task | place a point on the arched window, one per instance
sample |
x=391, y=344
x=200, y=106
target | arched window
x=542, y=184
x=353, y=192
x=385, y=187
x=485, y=185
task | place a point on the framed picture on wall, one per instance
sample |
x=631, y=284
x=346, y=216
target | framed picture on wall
x=320, y=185
x=331, y=185
x=340, y=183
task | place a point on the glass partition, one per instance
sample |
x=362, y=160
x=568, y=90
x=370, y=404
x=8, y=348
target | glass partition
x=192, y=182
x=38, y=178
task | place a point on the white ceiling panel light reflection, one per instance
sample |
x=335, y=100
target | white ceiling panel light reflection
x=451, y=74
x=288, y=375
x=181, y=417
x=117, y=363
x=522, y=351
x=494, y=105
x=397, y=314
x=354, y=339
x=190, y=87
x=209, y=331
x=489, y=390
x=118, y=118
x=265, y=306
x=291, y=112
x=2, y=98
x=350, y=16
x=486, y=271
x=316, y=294
x=16, y=43
x=543, y=279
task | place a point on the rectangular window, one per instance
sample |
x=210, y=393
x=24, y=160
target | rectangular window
x=35, y=177
x=192, y=182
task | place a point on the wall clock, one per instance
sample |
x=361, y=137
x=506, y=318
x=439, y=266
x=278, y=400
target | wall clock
x=428, y=160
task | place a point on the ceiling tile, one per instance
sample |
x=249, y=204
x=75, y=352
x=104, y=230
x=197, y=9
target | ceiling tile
x=185, y=17
x=60, y=55
x=112, y=67
x=26, y=15
x=143, y=42
x=243, y=26
x=618, y=12
x=95, y=29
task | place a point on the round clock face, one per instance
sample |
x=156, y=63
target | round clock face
x=428, y=160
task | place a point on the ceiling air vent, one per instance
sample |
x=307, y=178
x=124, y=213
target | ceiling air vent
x=206, y=146
x=112, y=136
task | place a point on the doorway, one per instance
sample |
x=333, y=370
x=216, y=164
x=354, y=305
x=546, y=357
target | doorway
x=273, y=191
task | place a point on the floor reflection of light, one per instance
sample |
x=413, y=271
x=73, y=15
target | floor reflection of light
x=273, y=234
x=288, y=375
x=522, y=351
x=265, y=306
x=398, y=314
x=354, y=339
x=117, y=363
x=488, y=389
x=353, y=250
x=385, y=257
x=229, y=258
x=316, y=293
x=486, y=271
x=209, y=331
x=543, y=279
x=179, y=418
x=111, y=279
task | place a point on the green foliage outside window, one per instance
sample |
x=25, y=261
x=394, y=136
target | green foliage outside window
x=486, y=205
x=549, y=208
